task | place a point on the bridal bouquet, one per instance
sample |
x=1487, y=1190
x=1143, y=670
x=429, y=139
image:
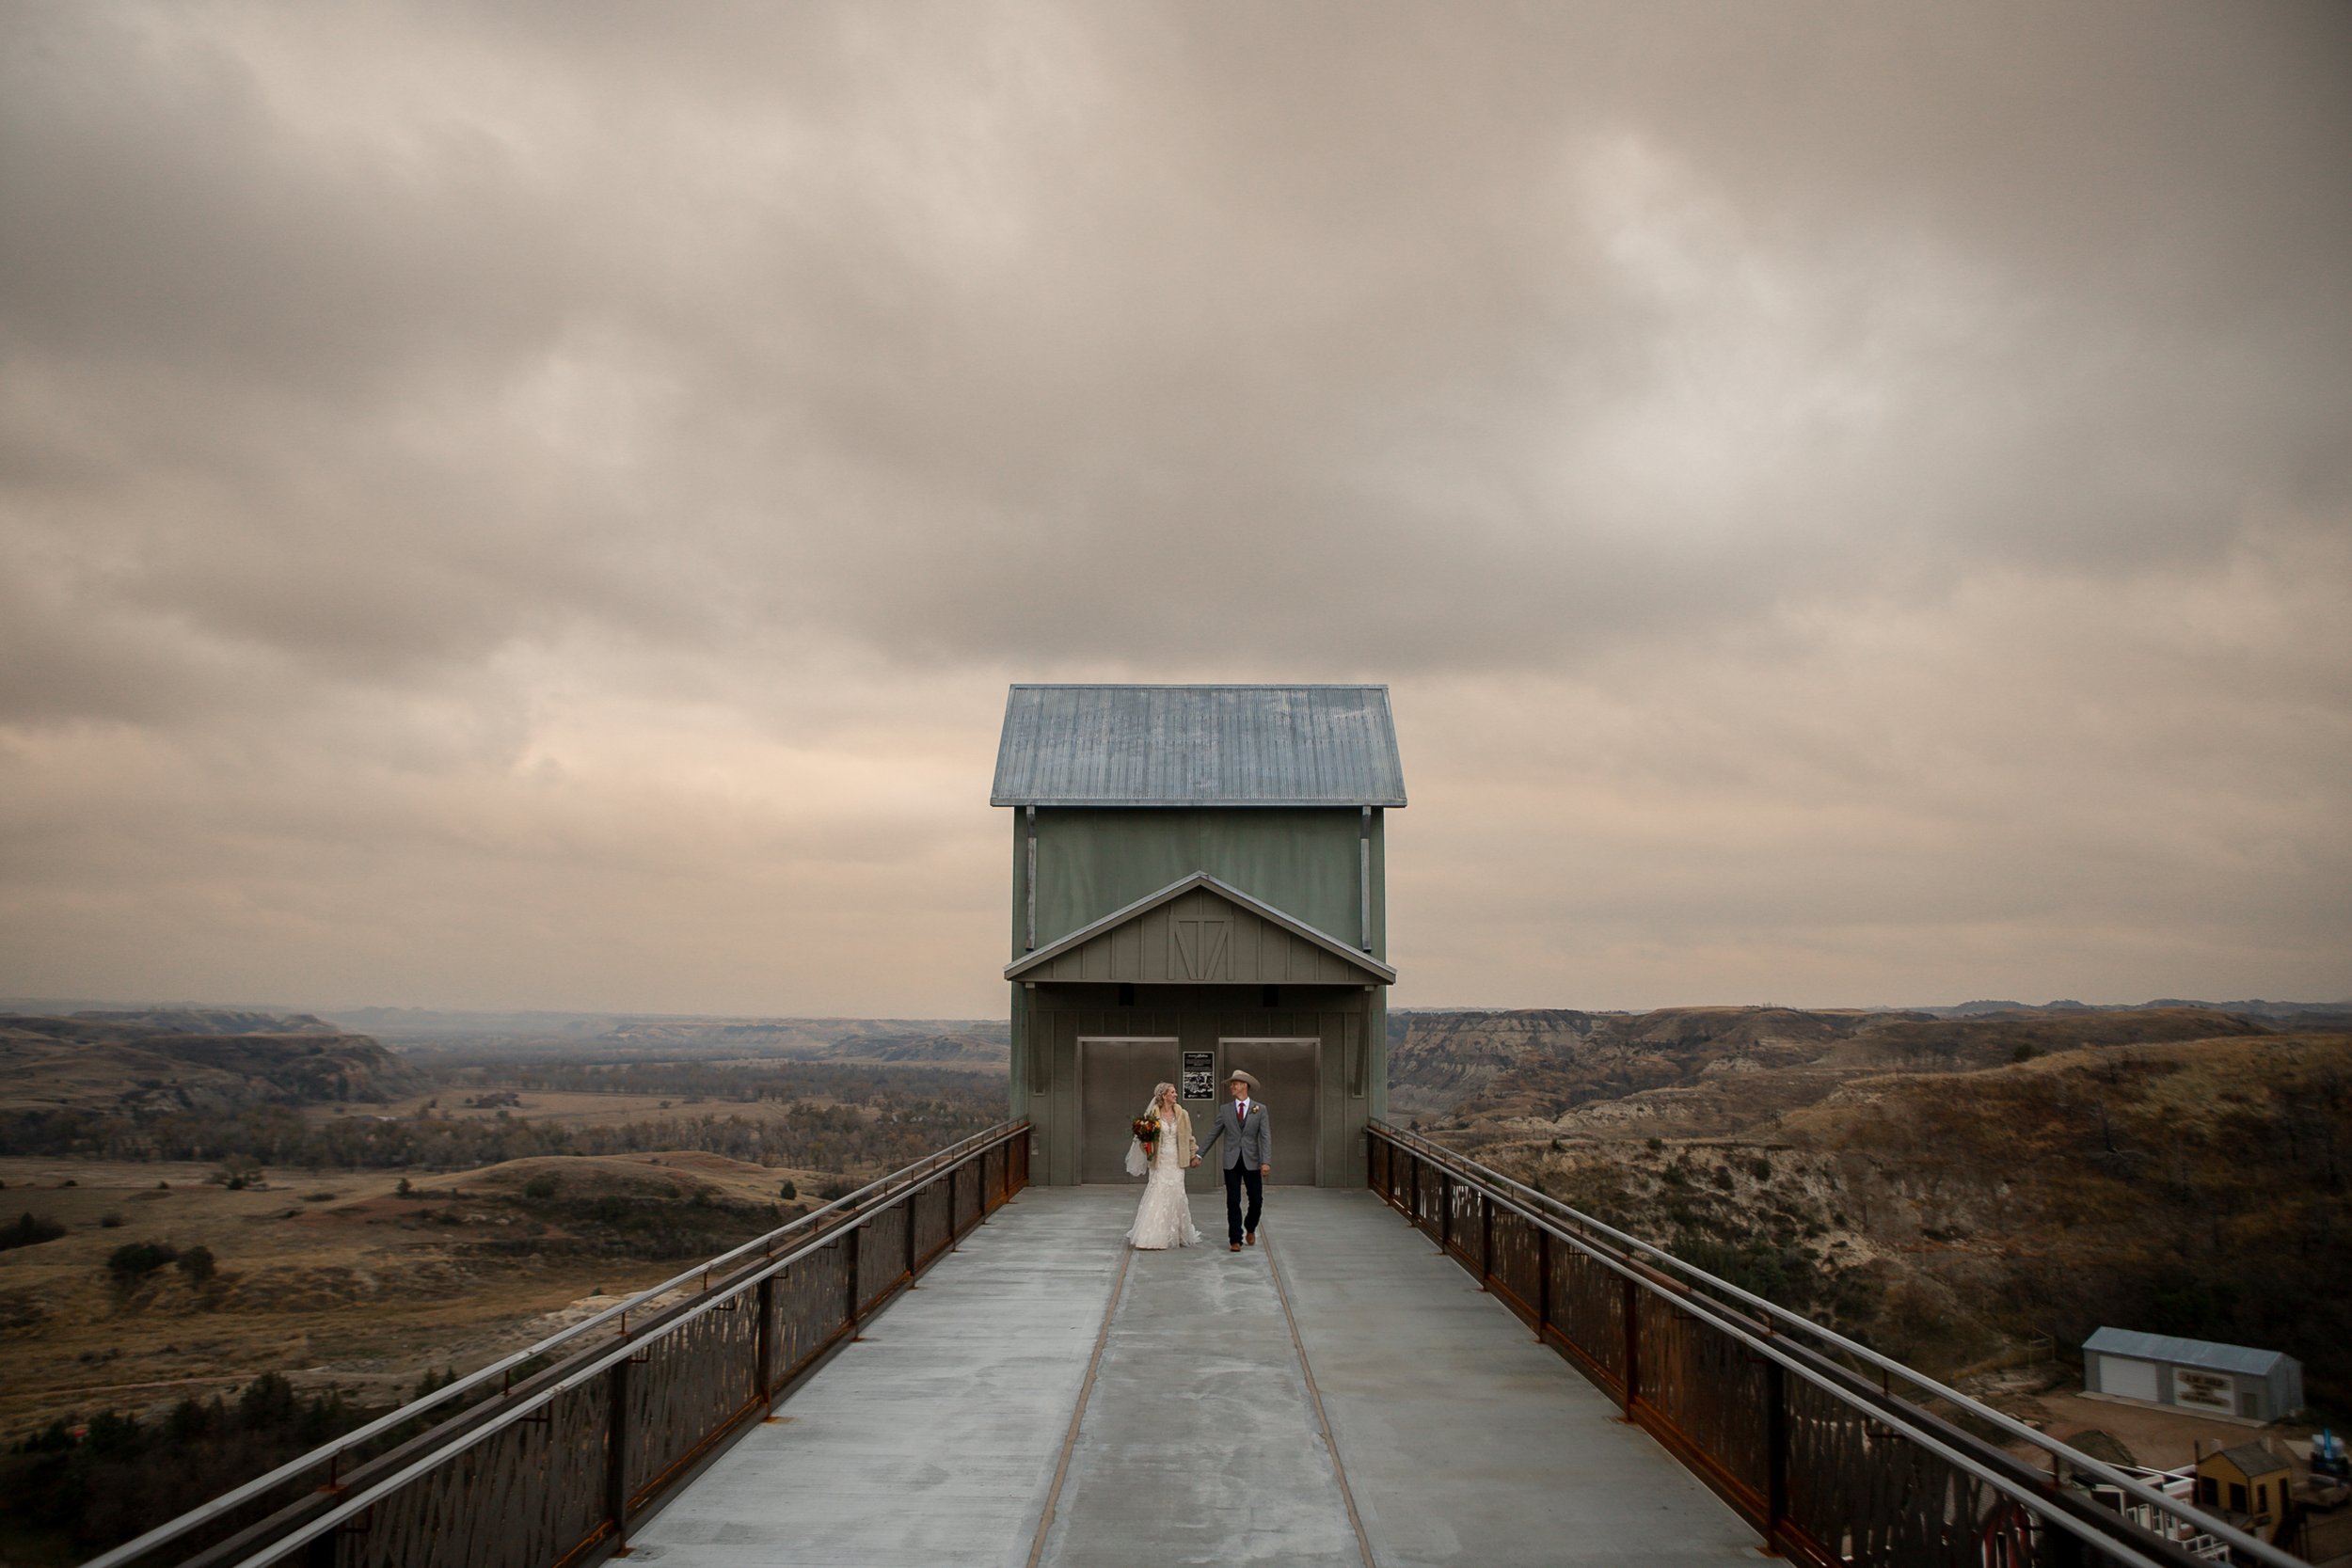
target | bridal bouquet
x=1147, y=1130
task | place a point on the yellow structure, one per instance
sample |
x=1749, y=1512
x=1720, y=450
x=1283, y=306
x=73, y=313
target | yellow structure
x=2246, y=1485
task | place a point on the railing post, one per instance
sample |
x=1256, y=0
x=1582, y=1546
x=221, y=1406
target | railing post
x=1775, y=1452
x=1543, y=1281
x=2067, y=1550
x=908, y=1202
x=848, y=1252
x=764, y=1369
x=1486, y=1239
x=616, y=1455
x=1445, y=1210
x=1412, y=1166
x=952, y=1231
x=1632, y=1344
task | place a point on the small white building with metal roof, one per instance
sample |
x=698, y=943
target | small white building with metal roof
x=2196, y=1376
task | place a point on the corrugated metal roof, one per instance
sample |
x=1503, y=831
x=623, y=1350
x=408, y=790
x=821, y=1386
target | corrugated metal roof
x=2185, y=1352
x=1198, y=746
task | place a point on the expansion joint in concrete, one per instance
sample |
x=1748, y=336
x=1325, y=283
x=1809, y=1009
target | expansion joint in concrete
x=1078, y=1411
x=1314, y=1395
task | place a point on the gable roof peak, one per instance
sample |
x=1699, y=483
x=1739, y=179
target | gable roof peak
x=1367, y=967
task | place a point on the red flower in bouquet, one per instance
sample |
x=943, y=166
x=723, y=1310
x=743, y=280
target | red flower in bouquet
x=1147, y=1130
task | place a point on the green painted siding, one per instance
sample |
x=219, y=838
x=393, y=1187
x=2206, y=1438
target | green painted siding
x=1093, y=862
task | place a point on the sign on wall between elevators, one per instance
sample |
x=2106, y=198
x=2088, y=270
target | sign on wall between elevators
x=1200, y=1075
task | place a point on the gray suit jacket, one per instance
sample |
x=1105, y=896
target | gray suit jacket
x=1251, y=1146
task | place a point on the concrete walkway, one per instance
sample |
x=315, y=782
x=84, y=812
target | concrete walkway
x=944, y=1436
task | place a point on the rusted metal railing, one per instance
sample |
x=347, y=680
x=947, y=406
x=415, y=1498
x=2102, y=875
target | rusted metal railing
x=579, y=1435
x=1823, y=1445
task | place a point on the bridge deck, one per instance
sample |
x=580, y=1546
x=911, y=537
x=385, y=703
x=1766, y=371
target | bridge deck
x=1160, y=1407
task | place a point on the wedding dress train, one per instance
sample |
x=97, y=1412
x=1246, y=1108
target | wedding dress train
x=1164, y=1218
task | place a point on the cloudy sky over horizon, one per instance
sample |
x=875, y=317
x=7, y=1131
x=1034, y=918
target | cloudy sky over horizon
x=537, y=506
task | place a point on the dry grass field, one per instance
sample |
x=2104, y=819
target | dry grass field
x=333, y=1280
x=573, y=1107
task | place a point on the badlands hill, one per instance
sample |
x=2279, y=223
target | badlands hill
x=1700, y=1072
x=1947, y=1187
x=220, y=1062
x=979, y=1045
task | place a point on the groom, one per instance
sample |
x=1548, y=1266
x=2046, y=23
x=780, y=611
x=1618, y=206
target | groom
x=1248, y=1159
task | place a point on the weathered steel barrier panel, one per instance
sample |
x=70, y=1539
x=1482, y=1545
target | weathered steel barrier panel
x=1800, y=1430
x=582, y=1433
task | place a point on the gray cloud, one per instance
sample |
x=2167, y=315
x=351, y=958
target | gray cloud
x=459, y=415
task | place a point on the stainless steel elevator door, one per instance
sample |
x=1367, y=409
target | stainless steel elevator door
x=1115, y=1081
x=1289, y=1080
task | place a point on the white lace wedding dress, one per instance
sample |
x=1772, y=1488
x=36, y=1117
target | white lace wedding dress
x=1164, y=1218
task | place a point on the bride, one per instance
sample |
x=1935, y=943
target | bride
x=1164, y=1218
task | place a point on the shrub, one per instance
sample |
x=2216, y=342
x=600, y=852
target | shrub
x=134, y=1261
x=268, y=1401
x=110, y=1220
x=539, y=1187
x=190, y=1421
x=837, y=1188
x=197, y=1263
x=30, y=1230
x=788, y=1191
x=1760, y=1168
x=237, y=1173
x=1655, y=1145
x=2022, y=1053
x=404, y=1189
x=1723, y=1177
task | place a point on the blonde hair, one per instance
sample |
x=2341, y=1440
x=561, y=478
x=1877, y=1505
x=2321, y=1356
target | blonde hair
x=1159, y=1089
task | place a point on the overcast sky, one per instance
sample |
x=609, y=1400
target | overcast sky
x=536, y=505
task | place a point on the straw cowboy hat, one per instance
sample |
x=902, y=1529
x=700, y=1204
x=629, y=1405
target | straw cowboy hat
x=1237, y=1076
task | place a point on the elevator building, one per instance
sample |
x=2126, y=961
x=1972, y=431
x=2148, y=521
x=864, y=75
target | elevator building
x=1197, y=887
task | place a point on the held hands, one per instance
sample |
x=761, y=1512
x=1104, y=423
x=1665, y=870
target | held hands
x=1195, y=1159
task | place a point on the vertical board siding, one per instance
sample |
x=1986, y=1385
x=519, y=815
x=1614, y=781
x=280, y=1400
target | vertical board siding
x=1093, y=862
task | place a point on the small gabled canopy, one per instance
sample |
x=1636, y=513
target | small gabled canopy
x=1202, y=931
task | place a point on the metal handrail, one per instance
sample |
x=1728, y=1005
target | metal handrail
x=1500, y=1187
x=865, y=1200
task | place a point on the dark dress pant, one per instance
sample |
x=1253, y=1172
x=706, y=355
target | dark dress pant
x=1236, y=1178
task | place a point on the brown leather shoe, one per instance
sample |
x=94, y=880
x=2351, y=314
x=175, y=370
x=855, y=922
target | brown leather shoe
x=1232, y=1246
x=1251, y=1236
